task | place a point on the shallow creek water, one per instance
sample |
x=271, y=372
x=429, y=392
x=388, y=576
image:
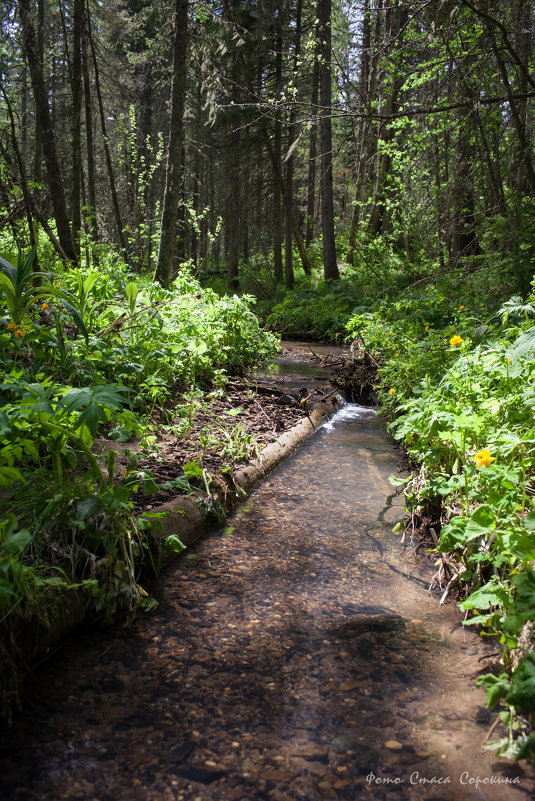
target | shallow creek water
x=296, y=655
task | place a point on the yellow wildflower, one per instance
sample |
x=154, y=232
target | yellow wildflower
x=483, y=458
x=44, y=307
x=426, y=328
x=455, y=341
x=508, y=361
x=11, y=326
x=374, y=387
x=391, y=391
x=19, y=333
x=396, y=355
x=461, y=307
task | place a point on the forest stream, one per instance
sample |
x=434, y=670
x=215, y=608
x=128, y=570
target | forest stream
x=296, y=654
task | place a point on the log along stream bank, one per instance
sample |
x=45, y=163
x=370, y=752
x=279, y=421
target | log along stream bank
x=296, y=654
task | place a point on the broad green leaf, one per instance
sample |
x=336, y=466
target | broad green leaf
x=487, y=596
x=522, y=691
x=529, y=521
x=192, y=469
x=496, y=686
x=524, y=345
x=8, y=476
x=481, y=521
x=17, y=541
x=88, y=507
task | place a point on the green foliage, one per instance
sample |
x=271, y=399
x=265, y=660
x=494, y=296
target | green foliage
x=317, y=311
x=459, y=390
x=99, y=355
x=18, y=287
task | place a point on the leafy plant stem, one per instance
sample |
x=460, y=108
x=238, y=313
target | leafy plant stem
x=78, y=441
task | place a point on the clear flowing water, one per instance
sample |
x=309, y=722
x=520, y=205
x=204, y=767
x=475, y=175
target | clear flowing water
x=296, y=655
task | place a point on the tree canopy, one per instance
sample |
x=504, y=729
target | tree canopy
x=429, y=107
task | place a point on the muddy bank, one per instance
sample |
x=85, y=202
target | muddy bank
x=182, y=515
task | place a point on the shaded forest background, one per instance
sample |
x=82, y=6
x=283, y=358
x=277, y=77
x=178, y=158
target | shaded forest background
x=258, y=140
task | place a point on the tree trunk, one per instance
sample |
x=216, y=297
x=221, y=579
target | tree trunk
x=76, y=206
x=292, y=133
x=525, y=172
x=277, y=165
x=38, y=144
x=90, y=142
x=364, y=133
x=465, y=241
x=42, y=110
x=164, y=265
x=107, y=152
x=22, y=173
x=330, y=265
x=313, y=150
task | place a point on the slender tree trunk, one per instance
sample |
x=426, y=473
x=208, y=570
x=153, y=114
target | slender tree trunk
x=22, y=172
x=364, y=133
x=181, y=247
x=465, y=241
x=526, y=172
x=389, y=90
x=292, y=133
x=330, y=264
x=313, y=150
x=76, y=206
x=24, y=112
x=47, y=130
x=196, y=190
x=233, y=204
x=277, y=168
x=164, y=265
x=107, y=151
x=38, y=144
x=235, y=159
x=90, y=142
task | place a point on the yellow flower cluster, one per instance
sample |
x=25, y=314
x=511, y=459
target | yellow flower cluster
x=483, y=458
x=391, y=391
x=455, y=341
x=16, y=330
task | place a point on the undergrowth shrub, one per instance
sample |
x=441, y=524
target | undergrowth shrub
x=318, y=311
x=85, y=354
